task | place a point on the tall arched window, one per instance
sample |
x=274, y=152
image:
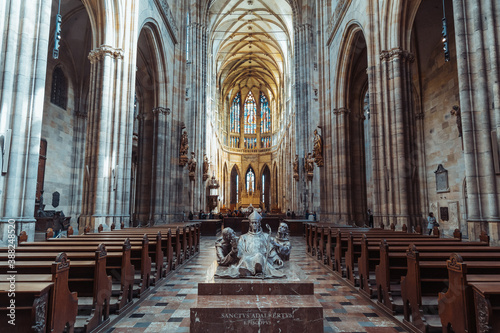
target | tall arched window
x=265, y=115
x=235, y=114
x=250, y=178
x=250, y=114
x=59, y=92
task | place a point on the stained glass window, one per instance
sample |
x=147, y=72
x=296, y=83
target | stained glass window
x=235, y=142
x=250, y=143
x=265, y=115
x=250, y=180
x=250, y=114
x=265, y=142
x=235, y=114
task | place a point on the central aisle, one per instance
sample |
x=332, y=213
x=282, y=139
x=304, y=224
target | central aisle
x=167, y=309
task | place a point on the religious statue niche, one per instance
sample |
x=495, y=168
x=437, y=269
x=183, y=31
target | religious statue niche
x=192, y=166
x=205, y=167
x=309, y=166
x=255, y=254
x=296, y=168
x=183, y=159
x=318, y=149
x=441, y=179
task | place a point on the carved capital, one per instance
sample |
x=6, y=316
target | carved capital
x=420, y=115
x=341, y=111
x=397, y=53
x=161, y=110
x=105, y=50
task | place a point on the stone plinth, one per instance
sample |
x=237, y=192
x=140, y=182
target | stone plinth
x=255, y=305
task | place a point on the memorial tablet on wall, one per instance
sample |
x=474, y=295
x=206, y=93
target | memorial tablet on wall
x=441, y=179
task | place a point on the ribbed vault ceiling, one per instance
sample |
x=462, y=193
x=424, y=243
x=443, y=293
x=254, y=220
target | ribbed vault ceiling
x=251, y=40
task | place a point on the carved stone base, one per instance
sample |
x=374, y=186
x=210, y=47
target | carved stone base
x=205, y=176
x=192, y=176
x=310, y=176
x=296, y=177
x=275, y=305
x=183, y=160
x=319, y=161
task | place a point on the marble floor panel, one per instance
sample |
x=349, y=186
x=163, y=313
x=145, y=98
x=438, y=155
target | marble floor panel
x=167, y=308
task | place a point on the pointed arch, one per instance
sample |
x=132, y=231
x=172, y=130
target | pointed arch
x=235, y=187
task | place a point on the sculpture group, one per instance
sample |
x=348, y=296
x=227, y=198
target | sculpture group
x=254, y=254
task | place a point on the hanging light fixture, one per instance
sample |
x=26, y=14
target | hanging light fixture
x=57, y=36
x=444, y=32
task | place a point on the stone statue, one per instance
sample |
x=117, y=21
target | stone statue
x=310, y=163
x=205, y=167
x=281, y=243
x=227, y=248
x=256, y=253
x=318, y=149
x=183, y=150
x=296, y=167
x=457, y=112
x=192, y=166
x=184, y=144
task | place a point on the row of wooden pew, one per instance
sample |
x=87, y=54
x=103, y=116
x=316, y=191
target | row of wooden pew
x=93, y=275
x=435, y=284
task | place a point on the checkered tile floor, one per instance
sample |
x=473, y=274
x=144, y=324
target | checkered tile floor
x=167, y=309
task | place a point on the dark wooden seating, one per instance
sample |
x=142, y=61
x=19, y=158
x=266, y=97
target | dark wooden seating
x=48, y=292
x=456, y=305
x=487, y=306
x=427, y=275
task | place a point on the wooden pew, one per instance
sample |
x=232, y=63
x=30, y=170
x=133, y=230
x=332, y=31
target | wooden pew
x=30, y=309
x=62, y=304
x=139, y=252
x=427, y=275
x=456, y=305
x=394, y=263
x=87, y=281
x=487, y=306
x=118, y=264
x=366, y=252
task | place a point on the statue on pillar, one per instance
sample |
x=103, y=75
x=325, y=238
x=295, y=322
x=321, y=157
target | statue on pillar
x=318, y=149
x=296, y=167
x=183, y=159
x=309, y=166
x=205, y=167
x=456, y=112
x=192, y=166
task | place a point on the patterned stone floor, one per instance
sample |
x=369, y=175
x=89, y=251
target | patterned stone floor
x=167, y=309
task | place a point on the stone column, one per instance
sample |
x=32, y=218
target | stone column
x=109, y=134
x=25, y=41
x=196, y=118
x=160, y=194
x=478, y=72
x=342, y=124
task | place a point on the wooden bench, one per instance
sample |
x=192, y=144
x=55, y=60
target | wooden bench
x=456, y=305
x=33, y=296
x=118, y=264
x=365, y=251
x=487, y=306
x=394, y=263
x=427, y=275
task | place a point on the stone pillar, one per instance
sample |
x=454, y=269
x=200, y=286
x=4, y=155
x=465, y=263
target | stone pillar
x=478, y=72
x=196, y=118
x=109, y=134
x=342, y=125
x=305, y=122
x=396, y=110
x=25, y=41
x=160, y=194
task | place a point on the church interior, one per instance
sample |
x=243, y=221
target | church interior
x=144, y=128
